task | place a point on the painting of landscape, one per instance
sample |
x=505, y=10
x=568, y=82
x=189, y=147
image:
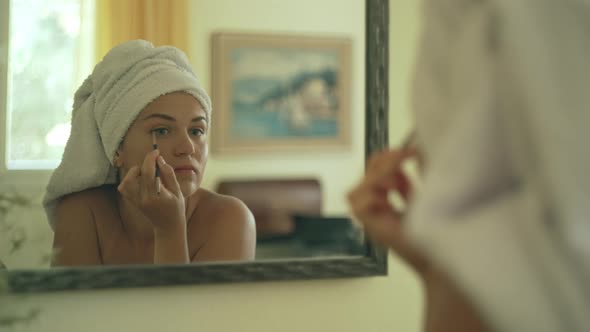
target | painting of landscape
x=278, y=94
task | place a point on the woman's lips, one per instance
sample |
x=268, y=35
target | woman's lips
x=184, y=170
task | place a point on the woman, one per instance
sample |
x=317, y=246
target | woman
x=498, y=231
x=140, y=113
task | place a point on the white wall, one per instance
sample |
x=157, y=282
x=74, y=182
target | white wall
x=392, y=303
x=403, y=40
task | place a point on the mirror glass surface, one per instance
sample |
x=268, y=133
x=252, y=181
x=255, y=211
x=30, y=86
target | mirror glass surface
x=297, y=66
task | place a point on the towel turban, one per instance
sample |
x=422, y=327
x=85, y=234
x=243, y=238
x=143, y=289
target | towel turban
x=130, y=76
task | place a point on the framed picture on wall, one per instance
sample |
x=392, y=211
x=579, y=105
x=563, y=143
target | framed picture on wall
x=280, y=92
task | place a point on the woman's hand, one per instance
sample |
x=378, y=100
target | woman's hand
x=370, y=205
x=166, y=210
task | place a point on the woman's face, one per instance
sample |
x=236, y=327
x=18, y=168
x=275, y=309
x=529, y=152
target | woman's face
x=181, y=127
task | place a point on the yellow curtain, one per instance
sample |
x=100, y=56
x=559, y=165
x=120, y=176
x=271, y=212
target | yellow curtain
x=162, y=22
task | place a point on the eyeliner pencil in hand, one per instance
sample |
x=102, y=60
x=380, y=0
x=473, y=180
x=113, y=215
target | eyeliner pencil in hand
x=155, y=145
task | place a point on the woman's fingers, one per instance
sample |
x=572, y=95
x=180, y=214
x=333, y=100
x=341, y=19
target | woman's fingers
x=370, y=201
x=129, y=186
x=144, y=189
x=148, y=171
x=403, y=185
x=370, y=204
x=389, y=162
x=373, y=210
x=169, y=181
x=367, y=204
x=384, y=171
x=139, y=187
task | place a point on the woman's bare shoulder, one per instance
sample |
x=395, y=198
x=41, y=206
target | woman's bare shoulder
x=76, y=234
x=218, y=206
x=90, y=197
x=227, y=225
x=82, y=208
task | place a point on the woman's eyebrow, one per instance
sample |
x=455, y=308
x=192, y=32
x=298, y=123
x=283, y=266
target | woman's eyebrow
x=170, y=118
x=200, y=118
x=160, y=116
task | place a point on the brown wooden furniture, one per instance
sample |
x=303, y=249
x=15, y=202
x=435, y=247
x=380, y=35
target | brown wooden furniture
x=274, y=202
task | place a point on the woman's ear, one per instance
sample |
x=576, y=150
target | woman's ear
x=118, y=161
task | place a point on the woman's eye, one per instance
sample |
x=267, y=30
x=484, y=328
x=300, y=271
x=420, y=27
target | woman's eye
x=160, y=131
x=197, y=132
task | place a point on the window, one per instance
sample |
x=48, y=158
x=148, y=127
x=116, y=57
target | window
x=50, y=51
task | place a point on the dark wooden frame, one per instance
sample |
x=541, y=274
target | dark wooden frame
x=374, y=263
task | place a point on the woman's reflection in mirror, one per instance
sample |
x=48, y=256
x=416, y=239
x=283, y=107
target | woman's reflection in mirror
x=142, y=109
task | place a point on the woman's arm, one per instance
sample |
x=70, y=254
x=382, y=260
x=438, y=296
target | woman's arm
x=75, y=240
x=447, y=309
x=171, y=245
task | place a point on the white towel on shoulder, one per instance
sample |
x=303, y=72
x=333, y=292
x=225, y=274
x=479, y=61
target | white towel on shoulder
x=502, y=107
x=130, y=76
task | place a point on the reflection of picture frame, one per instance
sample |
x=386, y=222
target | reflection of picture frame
x=280, y=92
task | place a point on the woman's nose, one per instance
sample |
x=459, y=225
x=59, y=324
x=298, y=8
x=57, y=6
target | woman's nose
x=184, y=145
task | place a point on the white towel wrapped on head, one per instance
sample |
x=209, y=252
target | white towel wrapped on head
x=130, y=76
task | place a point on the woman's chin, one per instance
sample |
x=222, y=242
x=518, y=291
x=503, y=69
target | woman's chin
x=188, y=189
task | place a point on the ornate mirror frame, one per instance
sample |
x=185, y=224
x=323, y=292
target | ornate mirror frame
x=372, y=264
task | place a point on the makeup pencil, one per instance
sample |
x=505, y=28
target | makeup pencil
x=155, y=145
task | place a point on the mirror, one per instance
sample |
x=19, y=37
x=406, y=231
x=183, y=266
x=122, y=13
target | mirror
x=316, y=241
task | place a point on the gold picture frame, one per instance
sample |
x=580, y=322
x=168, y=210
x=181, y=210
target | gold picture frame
x=273, y=92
